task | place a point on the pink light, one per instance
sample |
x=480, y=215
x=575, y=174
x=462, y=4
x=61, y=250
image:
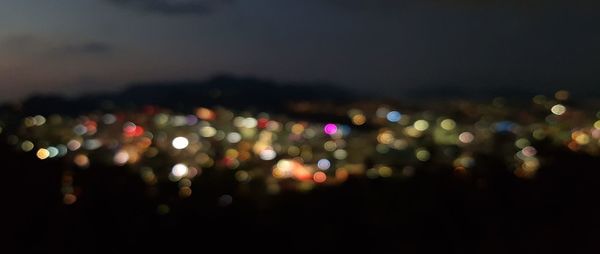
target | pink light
x=330, y=129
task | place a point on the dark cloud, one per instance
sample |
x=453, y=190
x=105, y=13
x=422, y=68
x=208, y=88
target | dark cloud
x=398, y=4
x=86, y=48
x=43, y=47
x=172, y=7
x=368, y=5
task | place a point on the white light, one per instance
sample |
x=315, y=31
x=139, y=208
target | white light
x=53, y=151
x=179, y=170
x=39, y=120
x=324, y=164
x=267, y=154
x=249, y=122
x=234, y=137
x=121, y=158
x=180, y=143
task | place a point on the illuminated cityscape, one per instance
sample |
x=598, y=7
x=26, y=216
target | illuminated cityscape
x=282, y=152
x=321, y=126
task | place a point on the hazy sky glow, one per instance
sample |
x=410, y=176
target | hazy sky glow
x=74, y=46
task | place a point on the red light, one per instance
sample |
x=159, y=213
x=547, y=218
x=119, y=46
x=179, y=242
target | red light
x=262, y=123
x=133, y=131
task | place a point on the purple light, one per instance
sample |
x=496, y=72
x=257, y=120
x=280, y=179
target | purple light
x=330, y=129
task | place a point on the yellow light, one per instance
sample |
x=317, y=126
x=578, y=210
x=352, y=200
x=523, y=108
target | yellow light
x=580, y=137
x=522, y=143
x=385, y=171
x=385, y=137
x=27, y=146
x=359, y=119
x=294, y=150
x=161, y=119
x=597, y=124
x=340, y=154
x=412, y=132
x=43, y=154
x=242, y=176
x=448, y=124
x=283, y=169
x=539, y=134
x=531, y=165
x=291, y=168
x=231, y=153
x=29, y=122
x=330, y=146
x=297, y=129
x=208, y=132
x=421, y=125
x=558, y=109
x=422, y=154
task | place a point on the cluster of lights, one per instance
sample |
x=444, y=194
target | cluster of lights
x=305, y=152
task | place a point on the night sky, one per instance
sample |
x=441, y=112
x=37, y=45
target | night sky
x=75, y=46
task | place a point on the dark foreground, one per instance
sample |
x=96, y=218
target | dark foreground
x=436, y=211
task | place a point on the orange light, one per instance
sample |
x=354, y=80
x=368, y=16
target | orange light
x=69, y=199
x=205, y=114
x=319, y=177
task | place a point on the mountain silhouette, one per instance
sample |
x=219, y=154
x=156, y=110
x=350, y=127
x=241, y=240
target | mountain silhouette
x=223, y=90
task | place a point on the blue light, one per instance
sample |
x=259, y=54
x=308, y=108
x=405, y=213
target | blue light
x=505, y=126
x=394, y=116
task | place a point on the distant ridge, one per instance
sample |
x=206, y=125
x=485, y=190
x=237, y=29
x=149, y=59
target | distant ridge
x=251, y=93
x=222, y=90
